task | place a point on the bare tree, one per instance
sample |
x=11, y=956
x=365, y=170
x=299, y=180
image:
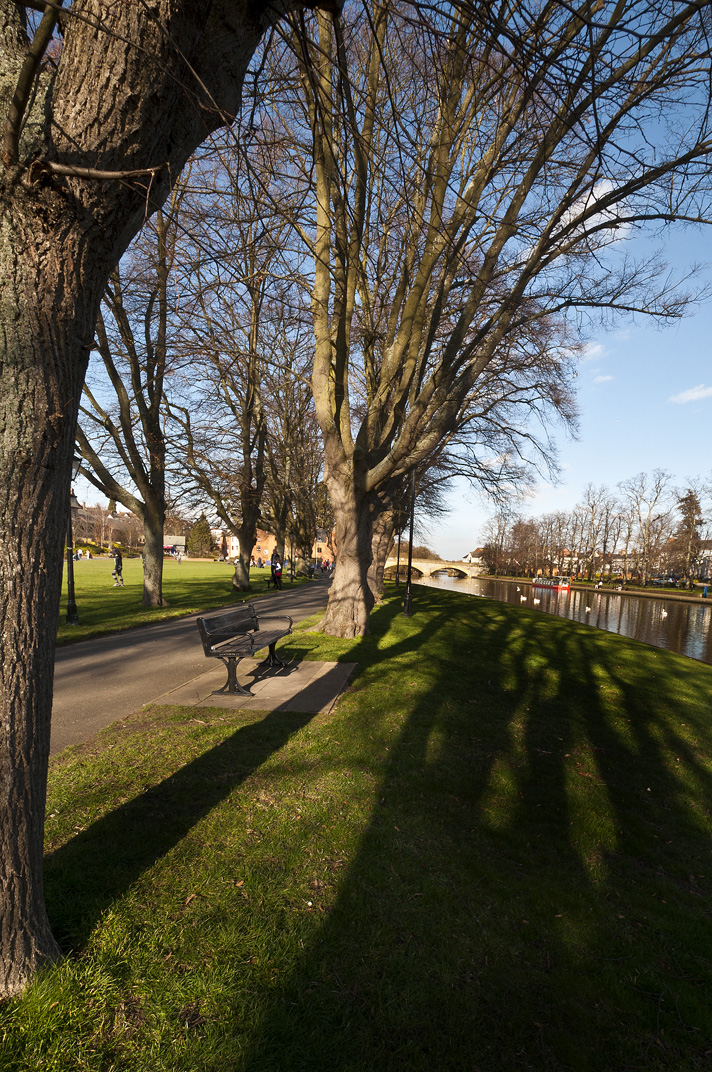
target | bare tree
x=246, y=433
x=222, y=439
x=497, y=549
x=647, y=497
x=470, y=189
x=610, y=529
x=233, y=309
x=121, y=435
x=296, y=503
x=101, y=522
x=593, y=507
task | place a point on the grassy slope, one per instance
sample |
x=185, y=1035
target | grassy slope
x=494, y=855
x=188, y=587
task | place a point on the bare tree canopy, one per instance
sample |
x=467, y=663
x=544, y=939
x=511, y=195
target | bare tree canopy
x=476, y=177
x=122, y=436
x=245, y=427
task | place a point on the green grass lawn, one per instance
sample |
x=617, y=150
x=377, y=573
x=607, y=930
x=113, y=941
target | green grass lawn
x=188, y=587
x=494, y=855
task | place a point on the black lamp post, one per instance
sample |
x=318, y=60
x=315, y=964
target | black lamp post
x=408, y=600
x=72, y=616
x=291, y=558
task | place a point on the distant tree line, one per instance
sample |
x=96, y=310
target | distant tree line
x=646, y=526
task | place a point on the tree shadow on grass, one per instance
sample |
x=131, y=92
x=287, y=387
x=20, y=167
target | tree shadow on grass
x=529, y=893
x=85, y=875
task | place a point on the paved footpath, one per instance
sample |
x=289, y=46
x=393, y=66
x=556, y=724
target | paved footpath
x=99, y=681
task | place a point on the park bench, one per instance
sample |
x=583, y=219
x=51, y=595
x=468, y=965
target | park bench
x=239, y=633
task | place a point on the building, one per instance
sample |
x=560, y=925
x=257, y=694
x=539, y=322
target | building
x=703, y=566
x=172, y=542
x=475, y=558
x=265, y=544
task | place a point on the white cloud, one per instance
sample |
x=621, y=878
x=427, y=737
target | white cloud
x=602, y=379
x=607, y=216
x=693, y=394
x=592, y=350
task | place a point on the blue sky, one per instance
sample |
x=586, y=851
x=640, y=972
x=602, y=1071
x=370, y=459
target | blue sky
x=628, y=420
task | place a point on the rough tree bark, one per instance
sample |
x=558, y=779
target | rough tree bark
x=351, y=599
x=382, y=529
x=91, y=146
x=153, y=529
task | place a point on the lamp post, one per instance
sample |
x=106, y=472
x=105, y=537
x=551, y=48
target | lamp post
x=408, y=600
x=291, y=558
x=72, y=616
x=398, y=562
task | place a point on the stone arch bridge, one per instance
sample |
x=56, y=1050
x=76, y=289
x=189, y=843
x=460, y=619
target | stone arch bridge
x=426, y=567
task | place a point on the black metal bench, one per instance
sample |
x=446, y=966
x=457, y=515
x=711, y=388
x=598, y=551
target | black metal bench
x=239, y=633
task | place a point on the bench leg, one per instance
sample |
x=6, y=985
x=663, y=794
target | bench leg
x=232, y=686
x=272, y=659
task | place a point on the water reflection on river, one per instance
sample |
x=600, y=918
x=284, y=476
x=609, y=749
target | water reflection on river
x=664, y=623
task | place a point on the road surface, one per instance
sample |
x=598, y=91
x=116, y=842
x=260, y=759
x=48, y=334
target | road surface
x=99, y=681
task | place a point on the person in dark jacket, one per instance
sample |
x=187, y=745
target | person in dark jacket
x=276, y=570
x=117, y=573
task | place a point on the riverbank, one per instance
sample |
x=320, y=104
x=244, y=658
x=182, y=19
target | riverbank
x=676, y=595
x=494, y=853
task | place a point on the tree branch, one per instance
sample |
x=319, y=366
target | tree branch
x=25, y=82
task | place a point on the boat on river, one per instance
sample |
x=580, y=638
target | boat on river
x=558, y=583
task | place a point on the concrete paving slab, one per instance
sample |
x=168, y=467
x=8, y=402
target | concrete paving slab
x=298, y=686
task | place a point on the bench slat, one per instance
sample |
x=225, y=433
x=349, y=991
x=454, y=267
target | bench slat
x=245, y=618
x=249, y=643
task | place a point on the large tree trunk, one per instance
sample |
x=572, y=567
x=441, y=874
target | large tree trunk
x=153, y=561
x=350, y=595
x=118, y=101
x=301, y=562
x=47, y=326
x=241, y=576
x=247, y=537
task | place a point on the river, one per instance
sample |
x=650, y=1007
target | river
x=665, y=623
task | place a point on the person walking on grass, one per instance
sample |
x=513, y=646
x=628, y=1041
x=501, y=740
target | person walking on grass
x=276, y=570
x=117, y=572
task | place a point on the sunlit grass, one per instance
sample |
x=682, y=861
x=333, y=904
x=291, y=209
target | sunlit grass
x=188, y=587
x=494, y=854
